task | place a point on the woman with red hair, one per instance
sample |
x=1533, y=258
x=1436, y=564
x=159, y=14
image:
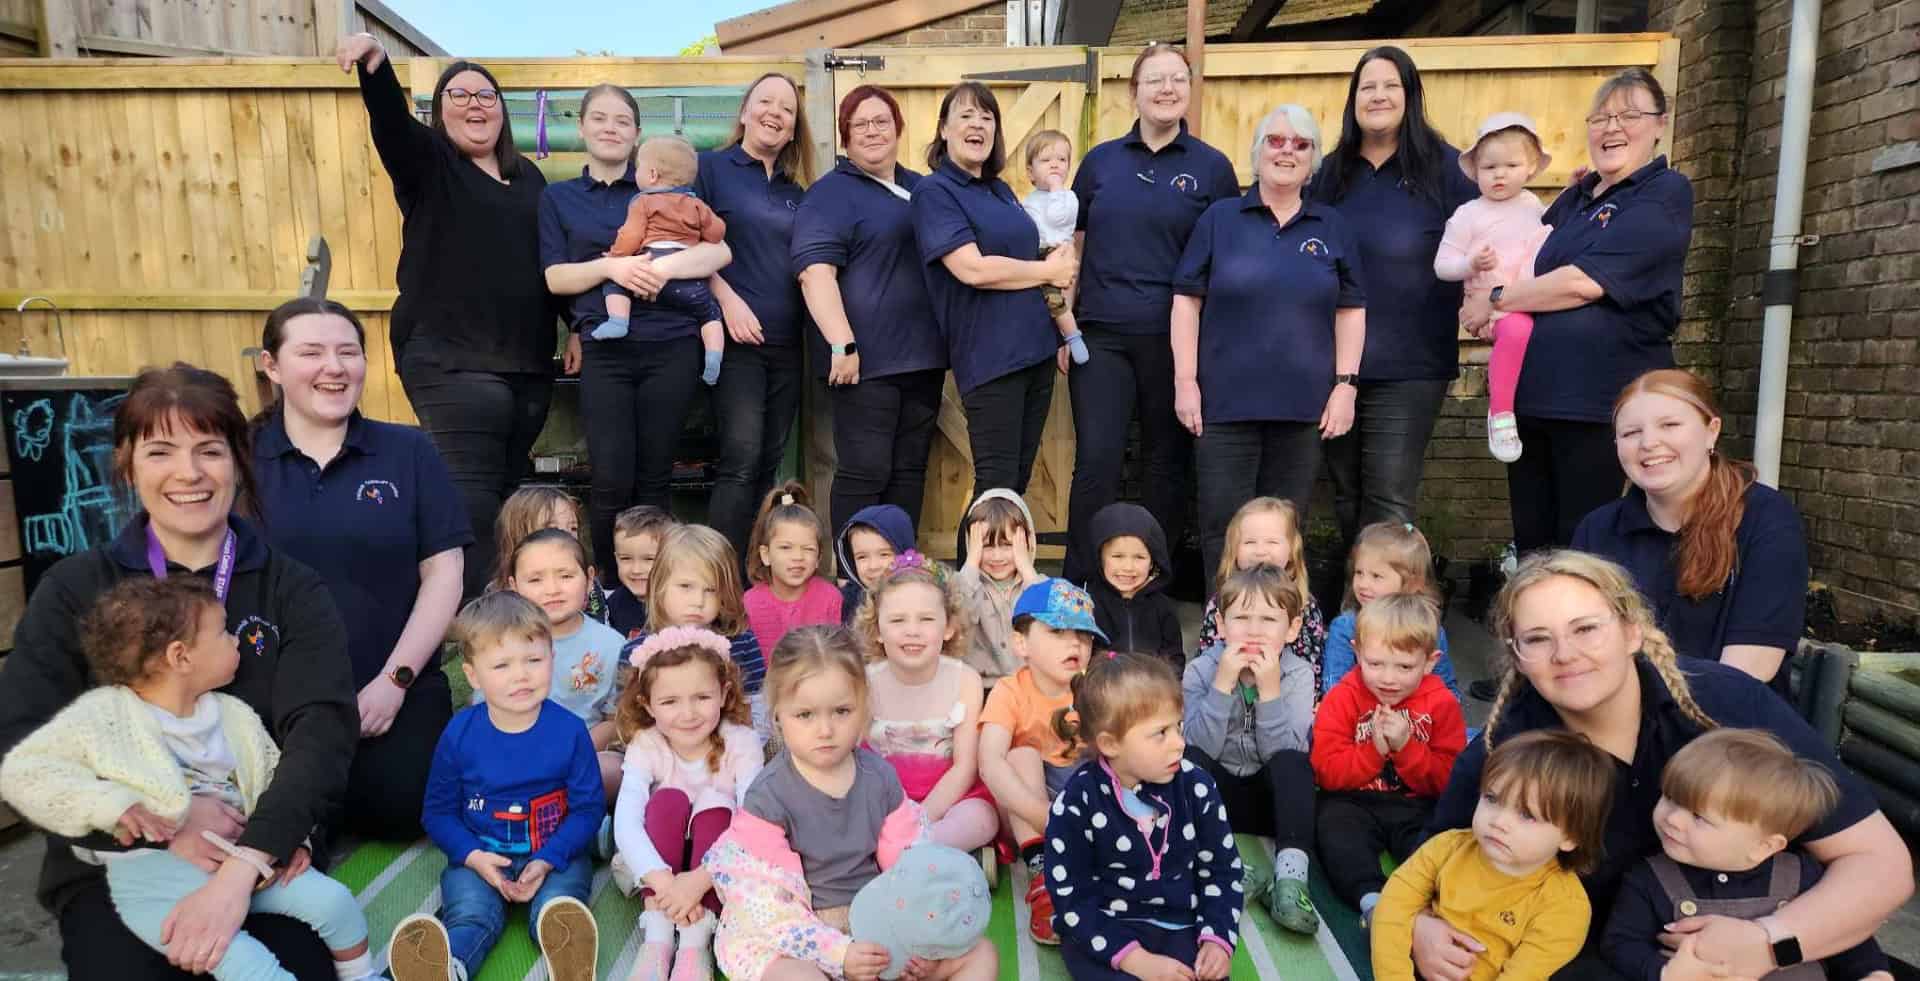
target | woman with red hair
x=877, y=344
x=1721, y=557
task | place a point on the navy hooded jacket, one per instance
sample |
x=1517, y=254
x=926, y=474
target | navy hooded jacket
x=893, y=524
x=1148, y=623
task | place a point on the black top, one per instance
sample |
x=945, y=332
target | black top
x=1148, y=622
x=293, y=672
x=471, y=286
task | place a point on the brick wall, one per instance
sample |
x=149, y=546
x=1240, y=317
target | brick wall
x=985, y=25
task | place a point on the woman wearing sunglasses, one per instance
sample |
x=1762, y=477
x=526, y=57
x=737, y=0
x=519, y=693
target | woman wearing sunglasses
x=473, y=328
x=1269, y=316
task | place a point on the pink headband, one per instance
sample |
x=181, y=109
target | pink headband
x=676, y=637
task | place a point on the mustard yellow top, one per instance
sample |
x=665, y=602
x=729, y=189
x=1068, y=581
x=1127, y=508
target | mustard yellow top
x=1531, y=925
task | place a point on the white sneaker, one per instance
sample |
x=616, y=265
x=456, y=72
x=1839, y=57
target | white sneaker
x=1503, y=437
x=419, y=951
x=569, y=940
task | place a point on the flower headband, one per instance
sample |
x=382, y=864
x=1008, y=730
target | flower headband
x=677, y=637
x=914, y=559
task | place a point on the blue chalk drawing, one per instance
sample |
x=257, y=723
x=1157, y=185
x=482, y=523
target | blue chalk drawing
x=32, y=429
x=90, y=511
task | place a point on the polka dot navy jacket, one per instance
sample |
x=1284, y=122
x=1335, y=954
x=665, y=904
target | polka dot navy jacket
x=1168, y=861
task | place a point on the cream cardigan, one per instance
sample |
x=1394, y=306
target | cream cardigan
x=104, y=753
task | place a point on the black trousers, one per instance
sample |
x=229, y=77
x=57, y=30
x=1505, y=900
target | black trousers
x=1375, y=468
x=388, y=782
x=882, y=435
x=1277, y=801
x=1124, y=372
x=1568, y=469
x=96, y=946
x=635, y=396
x=1238, y=461
x=484, y=424
x=1356, y=826
x=754, y=406
x=1005, y=418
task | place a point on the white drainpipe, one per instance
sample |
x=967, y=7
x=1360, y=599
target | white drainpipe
x=1782, y=281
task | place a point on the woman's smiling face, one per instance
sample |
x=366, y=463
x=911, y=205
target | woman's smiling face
x=609, y=129
x=1624, y=139
x=1380, y=98
x=766, y=119
x=1163, y=90
x=473, y=128
x=968, y=130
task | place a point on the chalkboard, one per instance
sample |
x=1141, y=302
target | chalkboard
x=60, y=444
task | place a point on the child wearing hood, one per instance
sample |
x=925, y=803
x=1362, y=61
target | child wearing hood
x=1129, y=597
x=999, y=564
x=868, y=544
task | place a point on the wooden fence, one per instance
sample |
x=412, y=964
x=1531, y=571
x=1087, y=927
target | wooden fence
x=165, y=205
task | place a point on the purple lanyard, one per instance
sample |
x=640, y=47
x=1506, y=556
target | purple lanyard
x=222, y=572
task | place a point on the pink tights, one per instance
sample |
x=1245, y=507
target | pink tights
x=681, y=836
x=972, y=823
x=1510, y=335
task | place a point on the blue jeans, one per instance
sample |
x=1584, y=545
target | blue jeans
x=475, y=913
x=1376, y=467
x=754, y=405
x=147, y=885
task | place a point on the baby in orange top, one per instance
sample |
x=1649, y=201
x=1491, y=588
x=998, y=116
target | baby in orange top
x=664, y=217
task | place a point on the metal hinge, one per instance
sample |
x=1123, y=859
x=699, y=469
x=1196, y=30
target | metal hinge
x=1082, y=73
x=859, y=63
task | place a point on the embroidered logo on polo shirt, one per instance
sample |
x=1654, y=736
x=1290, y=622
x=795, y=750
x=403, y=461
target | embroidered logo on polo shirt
x=256, y=635
x=1604, y=214
x=1313, y=247
x=376, y=492
x=1507, y=917
x=1186, y=183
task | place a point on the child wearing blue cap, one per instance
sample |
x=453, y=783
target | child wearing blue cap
x=1023, y=759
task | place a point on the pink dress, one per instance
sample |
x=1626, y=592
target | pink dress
x=920, y=746
x=770, y=618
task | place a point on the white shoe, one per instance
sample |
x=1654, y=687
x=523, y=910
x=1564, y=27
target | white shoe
x=1503, y=437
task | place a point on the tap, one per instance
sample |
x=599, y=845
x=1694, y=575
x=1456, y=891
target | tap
x=59, y=325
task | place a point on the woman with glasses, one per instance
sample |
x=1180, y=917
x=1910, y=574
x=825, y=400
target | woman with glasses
x=1721, y=557
x=1140, y=196
x=1589, y=657
x=876, y=342
x=1605, y=300
x=1393, y=176
x=1269, y=316
x=473, y=328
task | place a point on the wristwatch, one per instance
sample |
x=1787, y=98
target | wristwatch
x=401, y=677
x=1786, y=946
x=1493, y=295
x=1347, y=379
x=850, y=347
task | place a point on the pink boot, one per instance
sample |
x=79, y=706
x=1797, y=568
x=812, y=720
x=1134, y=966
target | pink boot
x=651, y=963
x=693, y=963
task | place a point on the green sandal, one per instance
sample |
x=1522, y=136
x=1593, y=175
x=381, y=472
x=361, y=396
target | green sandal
x=1292, y=908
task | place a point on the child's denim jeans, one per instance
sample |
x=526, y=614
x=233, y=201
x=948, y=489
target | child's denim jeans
x=475, y=913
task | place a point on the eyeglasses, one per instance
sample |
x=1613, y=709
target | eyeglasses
x=487, y=98
x=1586, y=637
x=1164, y=81
x=1630, y=117
x=878, y=124
x=1299, y=144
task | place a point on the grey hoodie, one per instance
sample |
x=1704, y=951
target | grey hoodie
x=990, y=607
x=1242, y=737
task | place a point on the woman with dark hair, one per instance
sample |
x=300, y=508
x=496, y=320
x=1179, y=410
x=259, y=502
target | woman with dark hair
x=181, y=447
x=1140, y=196
x=876, y=345
x=1396, y=181
x=369, y=506
x=636, y=390
x=473, y=329
x=755, y=185
x=1721, y=557
x=1605, y=299
x=977, y=244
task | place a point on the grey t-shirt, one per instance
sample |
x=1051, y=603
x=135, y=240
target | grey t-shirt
x=836, y=837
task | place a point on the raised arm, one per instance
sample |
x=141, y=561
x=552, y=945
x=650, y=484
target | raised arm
x=404, y=143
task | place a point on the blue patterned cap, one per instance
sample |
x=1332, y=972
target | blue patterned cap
x=1059, y=604
x=933, y=903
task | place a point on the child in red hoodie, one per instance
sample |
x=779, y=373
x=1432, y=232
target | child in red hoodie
x=1384, y=742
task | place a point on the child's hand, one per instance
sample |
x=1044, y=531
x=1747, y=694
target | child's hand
x=1393, y=727
x=658, y=881
x=1266, y=674
x=1379, y=737
x=141, y=824
x=1233, y=660
x=1213, y=964
x=1154, y=967
x=1023, y=554
x=865, y=961
x=681, y=899
x=297, y=865
x=1484, y=259
x=1062, y=265
x=491, y=868
x=531, y=877
x=1686, y=965
x=976, y=543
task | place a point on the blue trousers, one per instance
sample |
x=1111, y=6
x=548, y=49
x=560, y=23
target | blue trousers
x=1085, y=965
x=475, y=914
x=146, y=886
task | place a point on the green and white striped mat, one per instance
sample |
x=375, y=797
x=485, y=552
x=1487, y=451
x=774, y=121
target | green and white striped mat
x=396, y=881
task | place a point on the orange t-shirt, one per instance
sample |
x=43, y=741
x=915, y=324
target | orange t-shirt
x=1017, y=705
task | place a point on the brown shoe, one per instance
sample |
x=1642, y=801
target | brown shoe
x=419, y=950
x=569, y=940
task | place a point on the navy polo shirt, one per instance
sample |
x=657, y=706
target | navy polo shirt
x=851, y=222
x=1729, y=696
x=990, y=333
x=1763, y=603
x=1137, y=207
x=1632, y=240
x=759, y=213
x=364, y=522
x=578, y=221
x=1413, y=318
x=1270, y=291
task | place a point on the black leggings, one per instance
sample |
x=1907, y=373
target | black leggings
x=1355, y=827
x=1124, y=372
x=96, y=946
x=484, y=424
x=754, y=405
x=1276, y=801
x=388, y=782
x=1568, y=469
x=635, y=396
x=882, y=434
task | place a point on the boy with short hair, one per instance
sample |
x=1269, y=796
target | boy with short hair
x=513, y=798
x=1384, y=743
x=869, y=542
x=1023, y=760
x=1732, y=803
x=664, y=217
x=637, y=533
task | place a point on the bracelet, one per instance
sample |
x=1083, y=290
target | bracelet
x=265, y=870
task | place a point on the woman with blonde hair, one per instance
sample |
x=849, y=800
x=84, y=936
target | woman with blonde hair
x=1585, y=655
x=1721, y=557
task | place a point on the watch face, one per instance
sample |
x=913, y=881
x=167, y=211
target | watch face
x=403, y=676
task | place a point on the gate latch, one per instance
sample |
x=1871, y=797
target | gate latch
x=859, y=63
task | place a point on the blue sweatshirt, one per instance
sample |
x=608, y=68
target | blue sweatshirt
x=526, y=795
x=1339, y=658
